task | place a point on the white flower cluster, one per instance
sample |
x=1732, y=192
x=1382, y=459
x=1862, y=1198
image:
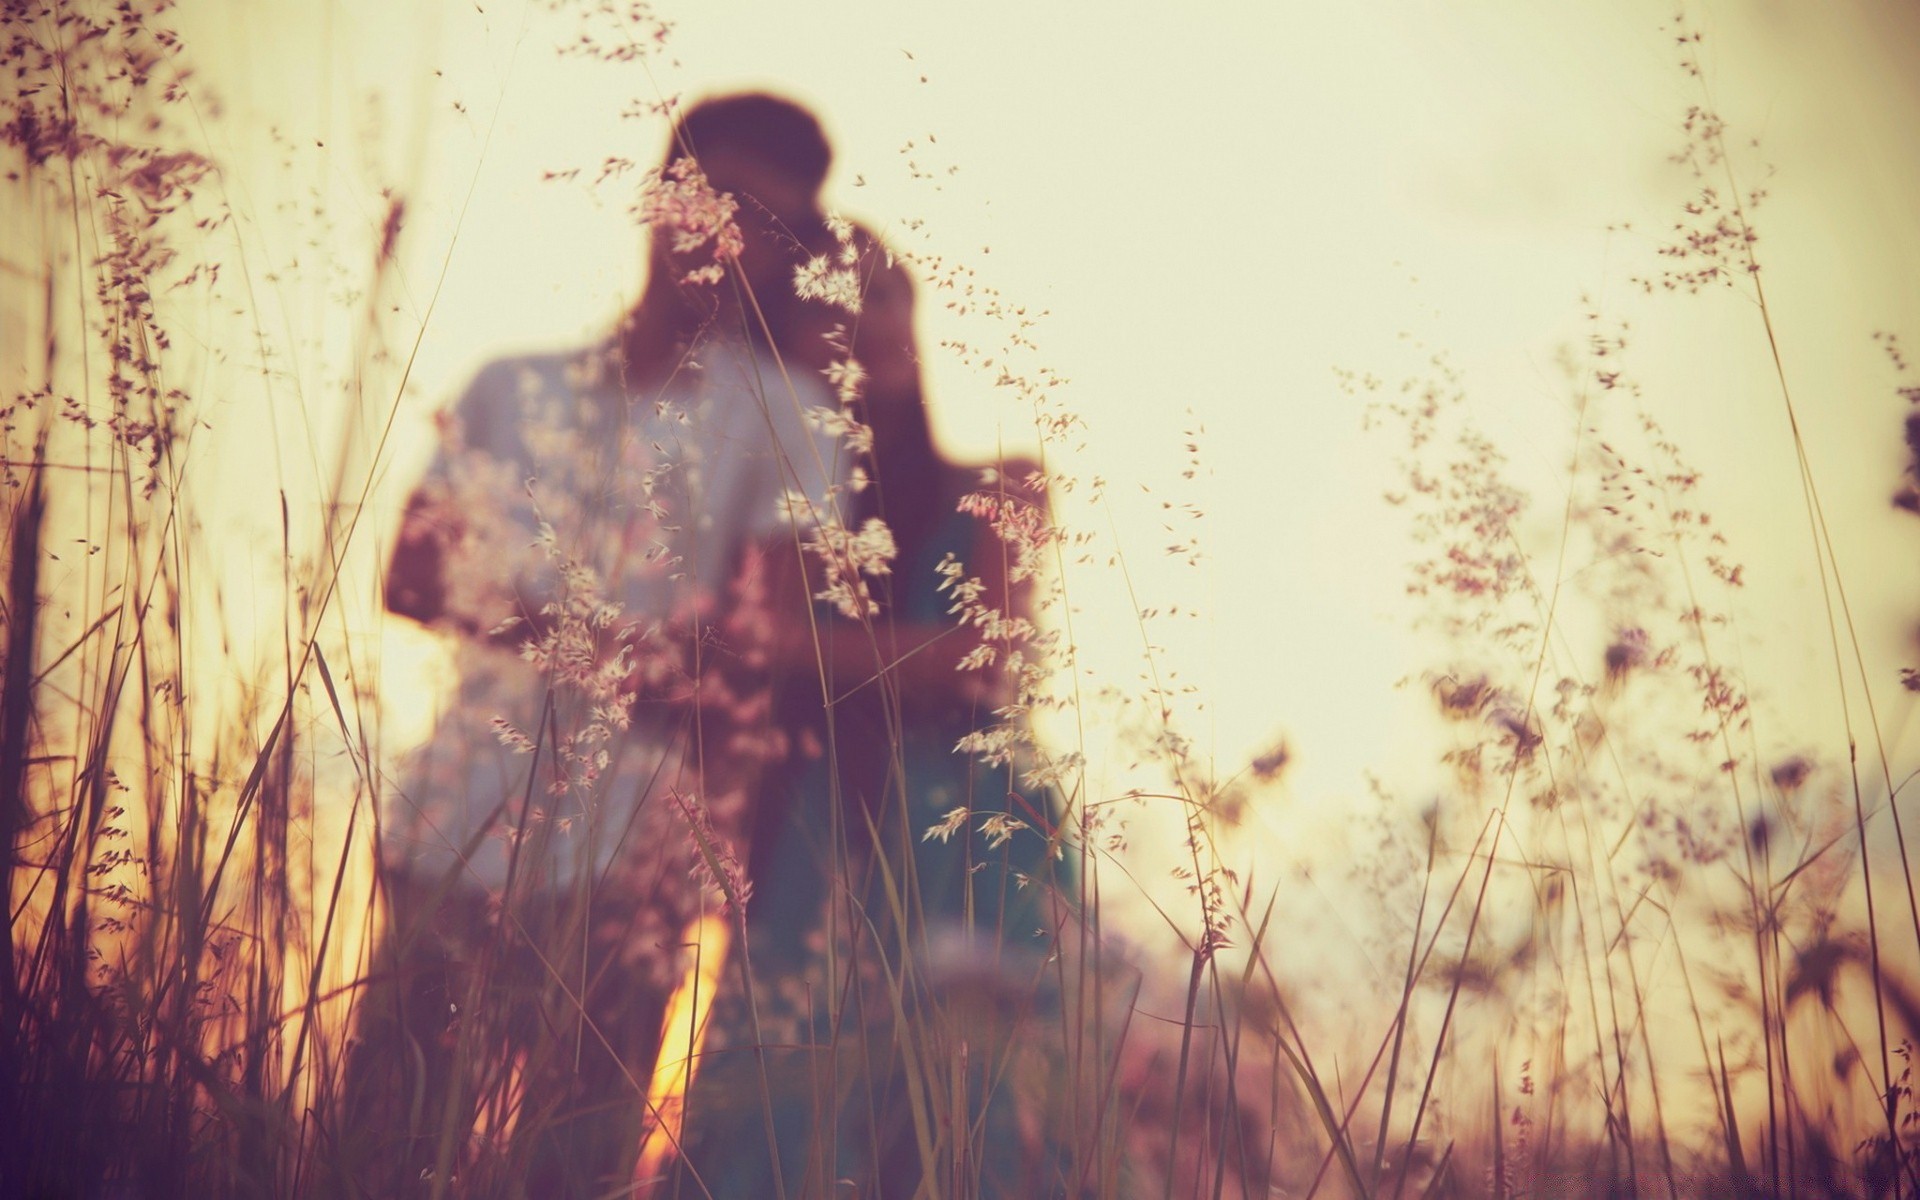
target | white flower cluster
x=832, y=279
x=841, y=424
x=848, y=557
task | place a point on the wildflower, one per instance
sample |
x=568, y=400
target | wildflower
x=1053, y=768
x=794, y=507
x=848, y=377
x=1019, y=523
x=820, y=279
x=944, y=829
x=846, y=556
x=1628, y=652
x=1269, y=765
x=999, y=828
x=681, y=204
x=510, y=736
x=966, y=592
x=857, y=438
x=715, y=865
x=873, y=548
x=994, y=747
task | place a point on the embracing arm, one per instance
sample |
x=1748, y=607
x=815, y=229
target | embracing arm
x=922, y=652
x=416, y=577
x=452, y=565
x=806, y=637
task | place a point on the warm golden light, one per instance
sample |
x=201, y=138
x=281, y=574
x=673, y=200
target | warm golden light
x=682, y=1034
x=1470, y=647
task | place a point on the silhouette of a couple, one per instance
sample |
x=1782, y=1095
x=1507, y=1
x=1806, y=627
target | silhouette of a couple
x=706, y=661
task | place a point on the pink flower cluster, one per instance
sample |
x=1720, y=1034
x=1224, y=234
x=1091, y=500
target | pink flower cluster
x=681, y=205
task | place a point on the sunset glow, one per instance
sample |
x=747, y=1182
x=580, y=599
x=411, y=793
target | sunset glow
x=1421, y=583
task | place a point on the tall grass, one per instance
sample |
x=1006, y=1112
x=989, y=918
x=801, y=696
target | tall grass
x=1639, y=942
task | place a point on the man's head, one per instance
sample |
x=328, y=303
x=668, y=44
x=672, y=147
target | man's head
x=767, y=151
x=770, y=155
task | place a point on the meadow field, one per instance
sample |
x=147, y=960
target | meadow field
x=1619, y=903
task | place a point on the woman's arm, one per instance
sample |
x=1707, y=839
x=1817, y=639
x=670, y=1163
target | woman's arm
x=416, y=577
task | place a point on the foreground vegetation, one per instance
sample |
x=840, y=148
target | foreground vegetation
x=1638, y=947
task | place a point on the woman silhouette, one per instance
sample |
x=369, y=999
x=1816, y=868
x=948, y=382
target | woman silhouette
x=577, y=532
x=630, y=542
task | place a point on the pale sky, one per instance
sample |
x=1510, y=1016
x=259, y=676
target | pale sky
x=1217, y=210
